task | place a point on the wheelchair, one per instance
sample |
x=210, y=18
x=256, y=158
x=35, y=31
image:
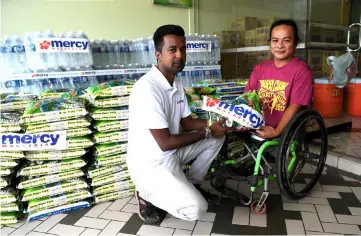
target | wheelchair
x=302, y=143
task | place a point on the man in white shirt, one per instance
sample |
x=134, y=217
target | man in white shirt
x=157, y=151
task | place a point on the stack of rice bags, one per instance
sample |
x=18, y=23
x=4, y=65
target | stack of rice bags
x=109, y=176
x=12, y=106
x=53, y=181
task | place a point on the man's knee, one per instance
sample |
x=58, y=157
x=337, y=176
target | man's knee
x=198, y=210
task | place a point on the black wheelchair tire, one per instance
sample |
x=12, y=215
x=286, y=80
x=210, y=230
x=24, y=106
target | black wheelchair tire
x=283, y=183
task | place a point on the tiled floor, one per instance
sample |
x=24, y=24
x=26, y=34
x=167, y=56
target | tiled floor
x=333, y=207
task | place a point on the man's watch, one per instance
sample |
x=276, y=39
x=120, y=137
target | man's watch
x=208, y=133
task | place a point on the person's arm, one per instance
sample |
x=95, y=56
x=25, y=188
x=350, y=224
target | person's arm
x=190, y=124
x=300, y=96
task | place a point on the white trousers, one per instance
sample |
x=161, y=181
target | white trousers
x=168, y=188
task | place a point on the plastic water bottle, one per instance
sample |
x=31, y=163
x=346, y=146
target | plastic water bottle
x=15, y=54
x=87, y=57
x=190, y=57
x=118, y=52
x=103, y=45
x=145, y=53
x=152, y=57
x=217, y=48
x=96, y=52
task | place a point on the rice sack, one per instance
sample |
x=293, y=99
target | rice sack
x=112, y=113
x=111, y=160
x=57, y=210
x=244, y=112
x=114, y=187
x=48, y=202
x=10, y=122
x=96, y=171
x=110, y=149
x=79, y=142
x=110, y=178
x=8, y=218
x=60, y=125
x=10, y=207
x=8, y=195
x=112, y=89
x=38, y=168
x=12, y=154
x=114, y=196
x=111, y=137
x=50, y=110
x=15, y=101
x=55, y=155
x=54, y=189
x=31, y=182
x=111, y=125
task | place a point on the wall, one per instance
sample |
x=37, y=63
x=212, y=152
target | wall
x=107, y=19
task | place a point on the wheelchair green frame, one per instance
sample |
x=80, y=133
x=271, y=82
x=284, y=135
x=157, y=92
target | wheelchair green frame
x=261, y=207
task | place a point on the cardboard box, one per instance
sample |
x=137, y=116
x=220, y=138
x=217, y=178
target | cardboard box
x=315, y=60
x=262, y=36
x=229, y=39
x=329, y=36
x=267, y=22
x=244, y=24
x=250, y=38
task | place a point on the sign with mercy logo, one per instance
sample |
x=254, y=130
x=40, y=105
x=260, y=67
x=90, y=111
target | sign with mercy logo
x=33, y=142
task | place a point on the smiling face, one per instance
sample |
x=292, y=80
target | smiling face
x=172, y=57
x=283, y=43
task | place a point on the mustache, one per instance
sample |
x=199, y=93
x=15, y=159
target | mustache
x=178, y=62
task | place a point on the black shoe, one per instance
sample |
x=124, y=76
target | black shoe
x=147, y=212
x=210, y=198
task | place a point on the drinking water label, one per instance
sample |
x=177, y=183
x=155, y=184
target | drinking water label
x=65, y=45
x=199, y=46
x=33, y=142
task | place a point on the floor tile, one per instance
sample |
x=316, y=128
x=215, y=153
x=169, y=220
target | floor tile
x=311, y=221
x=6, y=230
x=295, y=227
x=93, y=223
x=285, y=199
x=112, y=228
x=115, y=215
x=314, y=200
x=133, y=201
x=298, y=207
x=203, y=228
x=178, y=224
x=17, y=225
x=347, y=219
x=241, y=216
x=34, y=233
x=26, y=228
x=182, y=232
x=46, y=225
x=130, y=208
x=357, y=192
x=332, y=188
x=208, y=217
x=258, y=220
x=323, y=194
x=355, y=211
x=319, y=233
x=341, y=228
x=98, y=209
x=59, y=229
x=119, y=204
x=154, y=230
x=325, y=213
x=91, y=232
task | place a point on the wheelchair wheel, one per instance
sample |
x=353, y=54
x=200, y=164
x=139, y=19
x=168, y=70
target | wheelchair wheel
x=301, y=161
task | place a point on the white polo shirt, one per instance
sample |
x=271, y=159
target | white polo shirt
x=153, y=104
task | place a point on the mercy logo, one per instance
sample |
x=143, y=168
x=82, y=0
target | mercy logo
x=30, y=142
x=63, y=45
x=199, y=46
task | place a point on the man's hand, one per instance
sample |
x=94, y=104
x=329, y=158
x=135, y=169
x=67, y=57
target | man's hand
x=268, y=132
x=218, y=129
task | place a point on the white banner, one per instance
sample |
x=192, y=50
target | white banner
x=199, y=46
x=71, y=45
x=33, y=142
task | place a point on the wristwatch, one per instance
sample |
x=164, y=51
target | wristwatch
x=208, y=133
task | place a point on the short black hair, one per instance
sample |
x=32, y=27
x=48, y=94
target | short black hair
x=164, y=30
x=288, y=22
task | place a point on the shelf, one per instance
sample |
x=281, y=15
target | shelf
x=67, y=74
x=255, y=49
x=333, y=27
x=331, y=45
